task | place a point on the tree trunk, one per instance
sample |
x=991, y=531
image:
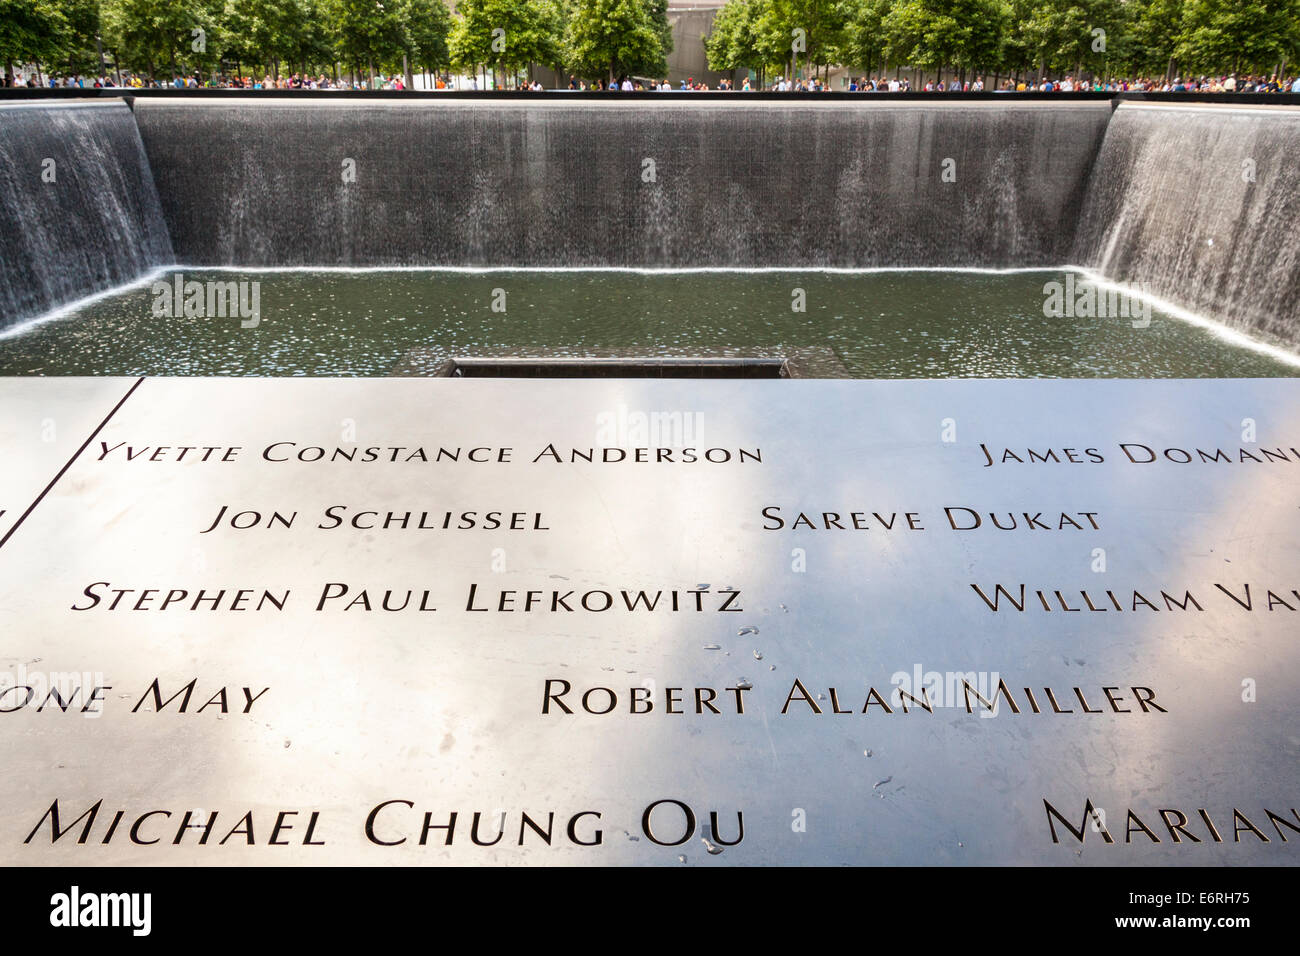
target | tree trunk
x=406, y=69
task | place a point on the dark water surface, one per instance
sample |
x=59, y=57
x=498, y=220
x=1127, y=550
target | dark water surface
x=859, y=325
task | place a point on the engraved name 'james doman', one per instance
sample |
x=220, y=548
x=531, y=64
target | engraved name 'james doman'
x=1137, y=453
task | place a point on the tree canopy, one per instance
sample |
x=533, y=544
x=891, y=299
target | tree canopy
x=613, y=38
x=1092, y=37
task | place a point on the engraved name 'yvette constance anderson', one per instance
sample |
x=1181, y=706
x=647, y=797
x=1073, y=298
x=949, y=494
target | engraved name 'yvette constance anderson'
x=293, y=452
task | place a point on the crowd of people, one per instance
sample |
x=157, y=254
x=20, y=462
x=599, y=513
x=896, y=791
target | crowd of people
x=295, y=81
x=1227, y=83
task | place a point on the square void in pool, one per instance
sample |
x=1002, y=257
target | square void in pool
x=627, y=367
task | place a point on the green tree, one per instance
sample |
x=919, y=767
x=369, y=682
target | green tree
x=29, y=31
x=508, y=36
x=658, y=64
x=1157, y=26
x=152, y=32
x=967, y=35
x=1256, y=36
x=614, y=37
x=313, y=44
x=1064, y=37
x=367, y=32
x=80, y=48
x=789, y=30
x=428, y=24
x=269, y=31
x=863, y=43
x=732, y=43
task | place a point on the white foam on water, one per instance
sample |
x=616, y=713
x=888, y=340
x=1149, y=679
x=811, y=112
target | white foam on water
x=71, y=308
x=1218, y=329
x=629, y=270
